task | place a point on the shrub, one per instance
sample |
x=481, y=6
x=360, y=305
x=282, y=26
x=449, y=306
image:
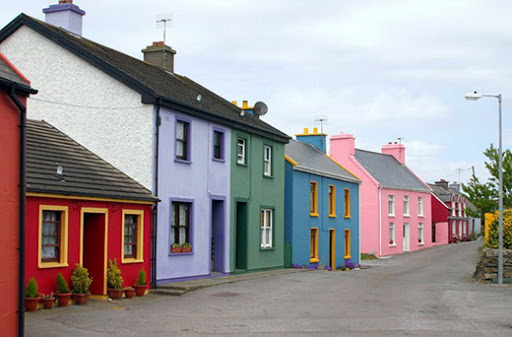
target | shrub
x=80, y=280
x=141, y=280
x=114, y=278
x=31, y=289
x=492, y=242
x=62, y=285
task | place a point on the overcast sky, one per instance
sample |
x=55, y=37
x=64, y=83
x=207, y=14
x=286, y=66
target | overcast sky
x=380, y=70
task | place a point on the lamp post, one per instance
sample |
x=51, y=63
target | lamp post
x=473, y=97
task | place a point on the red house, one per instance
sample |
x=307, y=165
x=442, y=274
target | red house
x=80, y=209
x=14, y=89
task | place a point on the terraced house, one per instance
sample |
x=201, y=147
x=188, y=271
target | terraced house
x=167, y=132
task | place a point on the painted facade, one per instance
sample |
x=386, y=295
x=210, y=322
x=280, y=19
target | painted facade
x=396, y=208
x=322, y=206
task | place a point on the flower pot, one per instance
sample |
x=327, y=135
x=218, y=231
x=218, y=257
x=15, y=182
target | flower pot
x=80, y=299
x=63, y=299
x=115, y=294
x=48, y=303
x=186, y=249
x=129, y=292
x=175, y=249
x=140, y=290
x=31, y=303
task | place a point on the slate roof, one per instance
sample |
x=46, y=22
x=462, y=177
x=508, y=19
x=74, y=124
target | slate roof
x=8, y=77
x=445, y=195
x=84, y=173
x=312, y=160
x=389, y=172
x=154, y=83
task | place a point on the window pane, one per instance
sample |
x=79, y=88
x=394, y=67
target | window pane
x=180, y=130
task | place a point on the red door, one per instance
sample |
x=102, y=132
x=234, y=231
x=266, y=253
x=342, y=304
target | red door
x=94, y=250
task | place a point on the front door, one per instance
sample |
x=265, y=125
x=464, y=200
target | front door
x=241, y=235
x=94, y=254
x=217, y=239
x=407, y=238
x=332, y=249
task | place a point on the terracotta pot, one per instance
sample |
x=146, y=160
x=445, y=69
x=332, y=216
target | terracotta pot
x=63, y=299
x=129, y=292
x=31, y=303
x=140, y=290
x=80, y=299
x=115, y=294
x=175, y=249
x=48, y=303
x=186, y=249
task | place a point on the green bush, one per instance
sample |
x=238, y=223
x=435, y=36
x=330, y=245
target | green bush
x=141, y=280
x=80, y=280
x=492, y=242
x=114, y=278
x=62, y=285
x=31, y=290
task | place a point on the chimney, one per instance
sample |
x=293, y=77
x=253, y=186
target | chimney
x=317, y=139
x=455, y=186
x=161, y=55
x=442, y=183
x=342, y=146
x=395, y=149
x=246, y=108
x=65, y=15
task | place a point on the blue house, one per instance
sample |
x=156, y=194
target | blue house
x=321, y=205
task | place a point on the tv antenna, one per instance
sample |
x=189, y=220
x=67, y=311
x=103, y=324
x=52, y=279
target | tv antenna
x=162, y=20
x=321, y=119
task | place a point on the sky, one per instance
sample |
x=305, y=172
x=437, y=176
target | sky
x=380, y=70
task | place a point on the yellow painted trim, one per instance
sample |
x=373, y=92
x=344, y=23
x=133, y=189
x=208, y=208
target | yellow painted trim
x=64, y=238
x=140, y=236
x=332, y=203
x=347, y=244
x=315, y=199
x=343, y=167
x=290, y=160
x=332, y=240
x=104, y=211
x=347, y=203
x=77, y=197
x=315, y=258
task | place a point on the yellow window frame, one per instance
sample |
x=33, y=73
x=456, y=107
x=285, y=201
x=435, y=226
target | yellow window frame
x=63, y=237
x=347, y=203
x=313, y=202
x=347, y=244
x=332, y=201
x=140, y=236
x=313, y=245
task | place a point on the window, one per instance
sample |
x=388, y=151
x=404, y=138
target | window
x=313, y=245
x=420, y=233
x=420, y=206
x=218, y=144
x=347, y=243
x=392, y=234
x=53, y=236
x=347, y=203
x=133, y=234
x=453, y=208
x=313, y=198
x=267, y=161
x=332, y=201
x=180, y=222
x=391, y=205
x=240, y=151
x=406, y=205
x=182, y=140
x=266, y=228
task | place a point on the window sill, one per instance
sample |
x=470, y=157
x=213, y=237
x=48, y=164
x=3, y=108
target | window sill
x=421, y=215
x=180, y=254
x=268, y=177
x=421, y=244
x=348, y=217
x=128, y=261
x=241, y=164
x=391, y=215
x=262, y=249
x=315, y=260
x=407, y=215
x=393, y=245
x=43, y=265
x=183, y=161
x=347, y=257
x=219, y=160
x=314, y=214
x=332, y=215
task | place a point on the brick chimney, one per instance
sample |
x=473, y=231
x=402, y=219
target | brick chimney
x=395, y=149
x=342, y=146
x=65, y=15
x=455, y=186
x=317, y=139
x=161, y=55
x=442, y=183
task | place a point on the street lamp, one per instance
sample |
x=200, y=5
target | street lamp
x=473, y=96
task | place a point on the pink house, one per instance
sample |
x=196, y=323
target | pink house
x=395, y=204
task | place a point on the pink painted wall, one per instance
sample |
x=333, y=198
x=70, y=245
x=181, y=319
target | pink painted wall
x=441, y=234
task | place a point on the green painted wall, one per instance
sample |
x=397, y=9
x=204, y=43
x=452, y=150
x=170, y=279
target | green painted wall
x=250, y=186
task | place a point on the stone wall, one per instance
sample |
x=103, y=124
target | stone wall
x=487, y=267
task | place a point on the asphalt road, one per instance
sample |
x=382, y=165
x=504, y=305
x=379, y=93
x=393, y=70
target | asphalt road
x=428, y=293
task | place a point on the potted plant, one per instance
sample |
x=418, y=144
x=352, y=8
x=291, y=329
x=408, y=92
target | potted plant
x=141, y=285
x=80, y=283
x=175, y=248
x=31, y=295
x=48, y=300
x=63, y=294
x=186, y=248
x=129, y=292
x=114, y=280
x=391, y=242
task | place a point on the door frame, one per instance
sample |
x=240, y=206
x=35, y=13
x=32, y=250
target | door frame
x=93, y=210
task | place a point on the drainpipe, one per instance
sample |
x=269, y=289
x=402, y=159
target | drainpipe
x=154, y=228
x=380, y=220
x=22, y=193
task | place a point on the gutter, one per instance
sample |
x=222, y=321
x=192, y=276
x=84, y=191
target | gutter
x=154, y=227
x=380, y=220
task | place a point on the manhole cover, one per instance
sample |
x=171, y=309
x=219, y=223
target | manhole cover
x=225, y=294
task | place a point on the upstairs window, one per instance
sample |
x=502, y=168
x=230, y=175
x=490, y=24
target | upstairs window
x=218, y=144
x=347, y=203
x=420, y=206
x=182, y=140
x=332, y=201
x=240, y=151
x=267, y=161
x=313, y=198
x=406, y=205
x=391, y=205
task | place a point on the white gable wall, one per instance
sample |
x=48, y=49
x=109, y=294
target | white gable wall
x=91, y=107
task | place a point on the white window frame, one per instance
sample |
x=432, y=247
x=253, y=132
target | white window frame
x=267, y=161
x=391, y=205
x=266, y=226
x=420, y=206
x=407, y=211
x=421, y=234
x=392, y=234
x=240, y=155
x=453, y=208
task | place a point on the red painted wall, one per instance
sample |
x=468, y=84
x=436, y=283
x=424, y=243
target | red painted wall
x=439, y=214
x=46, y=277
x=9, y=208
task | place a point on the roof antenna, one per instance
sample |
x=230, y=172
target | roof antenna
x=321, y=119
x=161, y=21
x=399, y=140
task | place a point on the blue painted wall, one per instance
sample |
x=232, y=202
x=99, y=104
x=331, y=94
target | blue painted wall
x=298, y=221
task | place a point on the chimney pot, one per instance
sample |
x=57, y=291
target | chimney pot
x=160, y=55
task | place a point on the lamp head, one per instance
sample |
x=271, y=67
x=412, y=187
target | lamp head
x=473, y=96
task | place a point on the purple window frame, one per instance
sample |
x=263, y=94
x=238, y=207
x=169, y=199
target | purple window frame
x=190, y=225
x=189, y=139
x=222, y=144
